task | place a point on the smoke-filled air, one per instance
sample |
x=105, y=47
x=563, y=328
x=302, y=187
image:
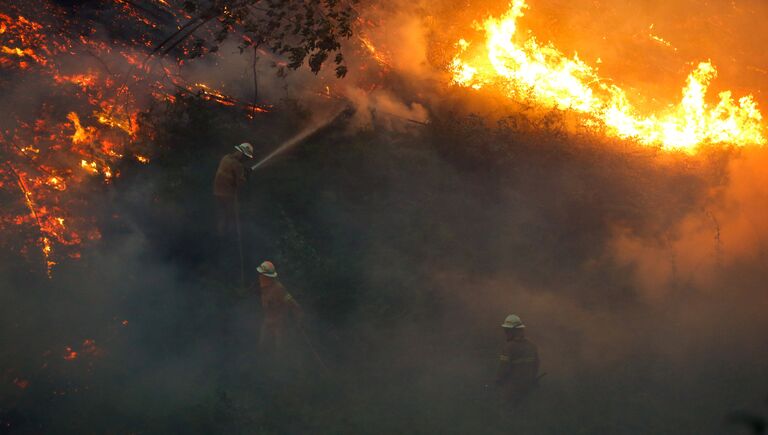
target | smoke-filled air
x=383, y=217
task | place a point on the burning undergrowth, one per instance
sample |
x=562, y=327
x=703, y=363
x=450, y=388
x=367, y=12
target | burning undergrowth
x=75, y=83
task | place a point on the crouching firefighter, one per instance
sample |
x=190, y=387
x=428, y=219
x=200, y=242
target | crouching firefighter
x=518, y=371
x=282, y=315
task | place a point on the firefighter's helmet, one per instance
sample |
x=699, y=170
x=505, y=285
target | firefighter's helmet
x=512, y=322
x=267, y=269
x=246, y=149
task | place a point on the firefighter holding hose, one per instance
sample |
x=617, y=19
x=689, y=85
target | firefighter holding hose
x=229, y=180
x=227, y=184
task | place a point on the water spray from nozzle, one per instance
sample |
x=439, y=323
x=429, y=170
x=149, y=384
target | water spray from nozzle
x=299, y=137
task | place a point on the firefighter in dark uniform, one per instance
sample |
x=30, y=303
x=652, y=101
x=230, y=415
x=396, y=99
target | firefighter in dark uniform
x=518, y=370
x=230, y=178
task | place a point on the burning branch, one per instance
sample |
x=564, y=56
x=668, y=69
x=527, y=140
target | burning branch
x=183, y=30
x=44, y=240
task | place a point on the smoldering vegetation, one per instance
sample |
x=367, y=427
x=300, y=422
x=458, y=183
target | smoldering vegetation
x=639, y=274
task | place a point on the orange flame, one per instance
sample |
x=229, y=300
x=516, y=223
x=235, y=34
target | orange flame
x=81, y=135
x=521, y=67
x=377, y=55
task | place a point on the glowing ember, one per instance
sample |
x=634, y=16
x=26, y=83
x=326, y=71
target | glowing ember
x=57, y=183
x=89, y=166
x=21, y=383
x=69, y=354
x=83, y=80
x=89, y=347
x=522, y=67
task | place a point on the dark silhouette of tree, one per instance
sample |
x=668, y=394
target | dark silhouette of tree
x=305, y=31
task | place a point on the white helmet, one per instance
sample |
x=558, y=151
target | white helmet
x=267, y=269
x=512, y=322
x=246, y=149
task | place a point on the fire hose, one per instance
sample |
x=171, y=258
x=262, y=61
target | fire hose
x=239, y=241
x=312, y=348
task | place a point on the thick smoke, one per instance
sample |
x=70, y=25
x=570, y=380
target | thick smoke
x=712, y=242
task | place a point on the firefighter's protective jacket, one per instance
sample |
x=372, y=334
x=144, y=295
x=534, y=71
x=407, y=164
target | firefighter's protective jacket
x=229, y=177
x=279, y=306
x=518, y=366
